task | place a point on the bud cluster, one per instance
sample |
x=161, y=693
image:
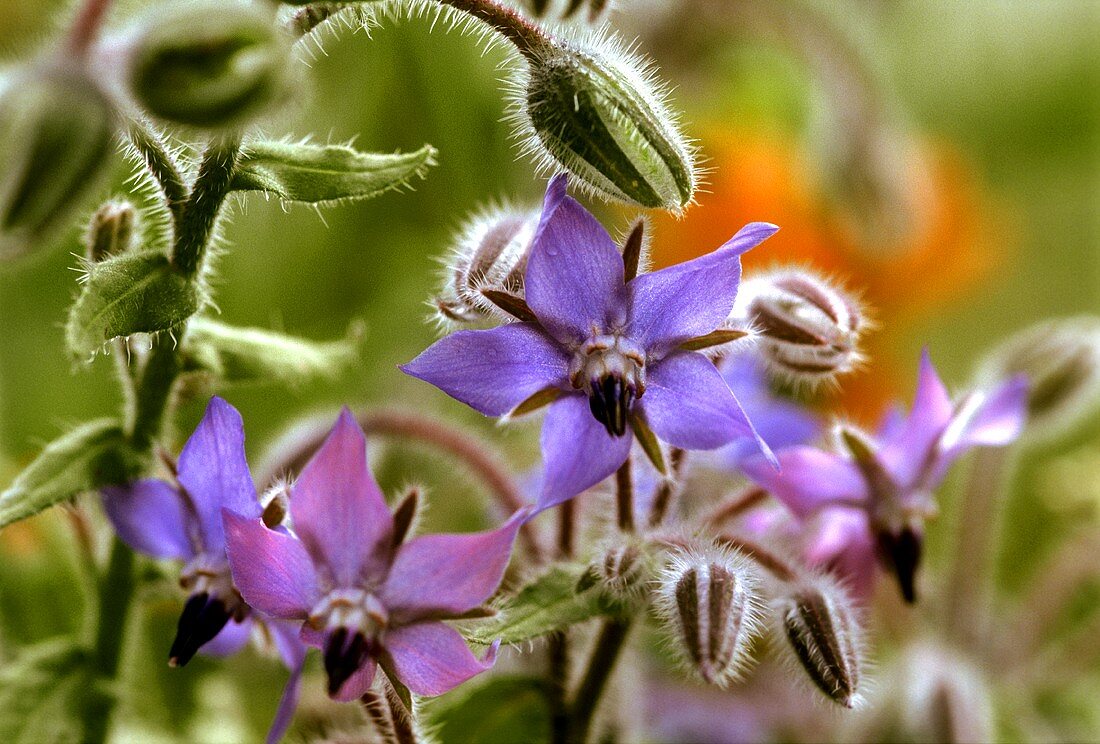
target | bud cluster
x=489, y=254
x=708, y=606
x=808, y=327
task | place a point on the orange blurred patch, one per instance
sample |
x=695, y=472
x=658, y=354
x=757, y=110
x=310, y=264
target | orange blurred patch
x=948, y=248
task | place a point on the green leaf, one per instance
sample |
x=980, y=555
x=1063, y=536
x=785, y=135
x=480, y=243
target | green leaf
x=504, y=709
x=127, y=294
x=91, y=455
x=548, y=604
x=322, y=174
x=41, y=693
x=241, y=355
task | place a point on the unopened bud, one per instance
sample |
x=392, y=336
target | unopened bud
x=490, y=254
x=946, y=697
x=821, y=627
x=56, y=130
x=1061, y=360
x=207, y=64
x=601, y=115
x=707, y=601
x=110, y=231
x=276, y=503
x=622, y=569
x=808, y=327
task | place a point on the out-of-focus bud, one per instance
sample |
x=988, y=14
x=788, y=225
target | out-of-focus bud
x=598, y=112
x=708, y=606
x=489, y=254
x=592, y=12
x=207, y=64
x=56, y=130
x=944, y=697
x=820, y=624
x=110, y=231
x=1061, y=359
x=808, y=327
x=623, y=569
x=276, y=502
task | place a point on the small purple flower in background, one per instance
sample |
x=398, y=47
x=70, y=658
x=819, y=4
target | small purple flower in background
x=359, y=591
x=183, y=521
x=606, y=347
x=876, y=501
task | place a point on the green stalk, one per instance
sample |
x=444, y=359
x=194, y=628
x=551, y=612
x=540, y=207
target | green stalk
x=200, y=214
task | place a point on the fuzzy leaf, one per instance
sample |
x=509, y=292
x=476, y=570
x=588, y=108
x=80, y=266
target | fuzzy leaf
x=91, y=455
x=549, y=603
x=511, y=708
x=242, y=355
x=322, y=174
x=41, y=693
x=127, y=294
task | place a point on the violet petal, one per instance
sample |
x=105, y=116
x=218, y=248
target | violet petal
x=271, y=570
x=231, y=639
x=431, y=658
x=149, y=516
x=494, y=370
x=989, y=420
x=908, y=452
x=808, y=478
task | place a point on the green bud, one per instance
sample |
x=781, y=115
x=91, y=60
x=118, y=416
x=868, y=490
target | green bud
x=56, y=130
x=209, y=64
x=110, y=231
x=601, y=116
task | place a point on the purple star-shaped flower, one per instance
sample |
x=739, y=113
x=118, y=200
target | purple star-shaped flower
x=359, y=591
x=885, y=487
x=182, y=521
x=609, y=349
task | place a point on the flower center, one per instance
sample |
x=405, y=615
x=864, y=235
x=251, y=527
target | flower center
x=610, y=369
x=352, y=620
x=214, y=601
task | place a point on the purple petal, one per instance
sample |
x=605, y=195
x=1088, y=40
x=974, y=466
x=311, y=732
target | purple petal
x=149, y=516
x=577, y=452
x=431, y=658
x=286, y=635
x=574, y=274
x=984, y=420
x=271, y=570
x=358, y=683
x=840, y=541
x=909, y=451
x=494, y=370
x=339, y=511
x=689, y=405
x=448, y=574
x=214, y=472
x=288, y=704
x=230, y=640
x=690, y=299
x=808, y=478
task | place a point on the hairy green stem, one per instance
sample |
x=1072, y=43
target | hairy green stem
x=153, y=395
x=528, y=38
x=557, y=652
x=200, y=213
x=162, y=166
x=601, y=664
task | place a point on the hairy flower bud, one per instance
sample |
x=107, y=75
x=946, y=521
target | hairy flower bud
x=1061, y=359
x=110, y=231
x=708, y=605
x=489, y=254
x=821, y=627
x=808, y=327
x=598, y=112
x=56, y=129
x=622, y=569
x=208, y=64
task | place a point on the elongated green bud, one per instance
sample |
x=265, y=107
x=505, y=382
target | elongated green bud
x=110, y=231
x=209, y=64
x=56, y=130
x=599, y=113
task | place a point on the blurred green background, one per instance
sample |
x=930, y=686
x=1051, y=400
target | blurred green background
x=1009, y=88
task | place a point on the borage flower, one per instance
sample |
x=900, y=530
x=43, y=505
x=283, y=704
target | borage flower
x=361, y=593
x=614, y=352
x=182, y=521
x=883, y=490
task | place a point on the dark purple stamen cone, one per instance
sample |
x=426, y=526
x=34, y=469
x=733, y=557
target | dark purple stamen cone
x=345, y=653
x=901, y=552
x=203, y=618
x=610, y=403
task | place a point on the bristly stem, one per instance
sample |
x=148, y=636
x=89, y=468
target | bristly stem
x=741, y=502
x=780, y=568
x=557, y=651
x=86, y=26
x=624, y=496
x=528, y=38
x=605, y=652
x=163, y=167
x=200, y=213
x=154, y=393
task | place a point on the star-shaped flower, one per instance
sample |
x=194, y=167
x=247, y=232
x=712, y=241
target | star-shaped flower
x=182, y=521
x=358, y=590
x=615, y=352
x=884, y=487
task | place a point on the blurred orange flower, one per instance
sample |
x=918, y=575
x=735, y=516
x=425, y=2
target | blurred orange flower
x=947, y=247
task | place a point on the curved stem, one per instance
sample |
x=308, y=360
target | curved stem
x=558, y=661
x=668, y=488
x=780, y=568
x=741, y=502
x=460, y=444
x=86, y=26
x=200, y=213
x=601, y=664
x=624, y=496
x=528, y=38
x=162, y=166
